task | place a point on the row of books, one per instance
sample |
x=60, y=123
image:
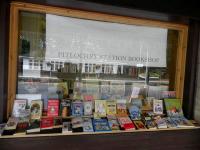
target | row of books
x=21, y=126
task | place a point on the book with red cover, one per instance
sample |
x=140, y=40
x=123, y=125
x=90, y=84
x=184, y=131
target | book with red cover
x=126, y=123
x=53, y=107
x=46, y=123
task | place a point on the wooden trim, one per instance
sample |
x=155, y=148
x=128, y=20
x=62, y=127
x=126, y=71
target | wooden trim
x=13, y=43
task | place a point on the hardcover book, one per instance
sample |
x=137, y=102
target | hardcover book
x=101, y=125
x=87, y=125
x=173, y=107
x=19, y=107
x=100, y=108
x=36, y=109
x=158, y=106
x=113, y=122
x=126, y=123
x=65, y=107
x=111, y=107
x=88, y=108
x=53, y=107
x=77, y=108
x=139, y=124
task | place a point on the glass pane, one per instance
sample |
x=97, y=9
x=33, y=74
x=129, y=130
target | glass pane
x=62, y=57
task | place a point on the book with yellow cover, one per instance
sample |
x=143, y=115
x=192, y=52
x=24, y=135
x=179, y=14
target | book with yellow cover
x=111, y=107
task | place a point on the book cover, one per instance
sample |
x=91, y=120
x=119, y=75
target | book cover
x=121, y=107
x=150, y=124
x=88, y=108
x=173, y=107
x=100, y=108
x=18, y=107
x=139, y=124
x=126, y=123
x=135, y=112
x=182, y=122
x=101, y=125
x=53, y=107
x=11, y=123
x=111, y=107
x=161, y=123
x=22, y=126
x=65, y=107
x=36, y=109
x=47, y=123
x=87, y=125
x=113, y=122
x=34, y=127
x=158, y=106
x=77, y=124
x=67, y=127
x=77, y=108
x=170, y=122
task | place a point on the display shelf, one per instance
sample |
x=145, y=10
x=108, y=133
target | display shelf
x=95, y=133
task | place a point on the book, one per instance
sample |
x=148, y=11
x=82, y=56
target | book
x=77, y=108
x=53, y=107
x=139, y=124
x=2, y=126
x=182, y=122
x=18, y=107
x=170, y=122
x=87, y=125
x=150, y=124
x=135, y=112
x=11, y=126
x=77, y=124
x=158, y=106
x=65, y=107
x=47, y=123
x=22, y=126
x=36, y=109
x=88, y=108
x=113, y=122
x=100, y=108
x=57, y=125
x=101, y=125
x=34, y=127
x=173, y=107
x=161, y=123
x=125, y=123
x=121, y=108
x=111, y=107
x=67, y=127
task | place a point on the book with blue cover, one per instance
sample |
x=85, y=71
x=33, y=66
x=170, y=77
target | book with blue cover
x=77, y=108
x=101, y=125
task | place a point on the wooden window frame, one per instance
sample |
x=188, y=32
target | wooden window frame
x=16, y=7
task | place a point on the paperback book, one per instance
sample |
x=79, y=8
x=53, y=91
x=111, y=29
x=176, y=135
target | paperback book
x=111, y=107
x=182, y=122
x=139, y=124
x=121, y=108
x=173, y=107
x=150, y=124
x=34, y=127
x=158, y=106
x=47, y=123
x=77, y=108
x=53, y=107
x=100, y=108
x=22, y=126
x=11, y=126
x=36, y=109
x=67, y=127
x=65, y=107
x=19, y=107
x=161, y=123
x=170, y=122
x=77, y=124
x=87, y=125
x=126, y=123
x=135, y=112
x=88, y=108
x=113, y=122
x=101, y=125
